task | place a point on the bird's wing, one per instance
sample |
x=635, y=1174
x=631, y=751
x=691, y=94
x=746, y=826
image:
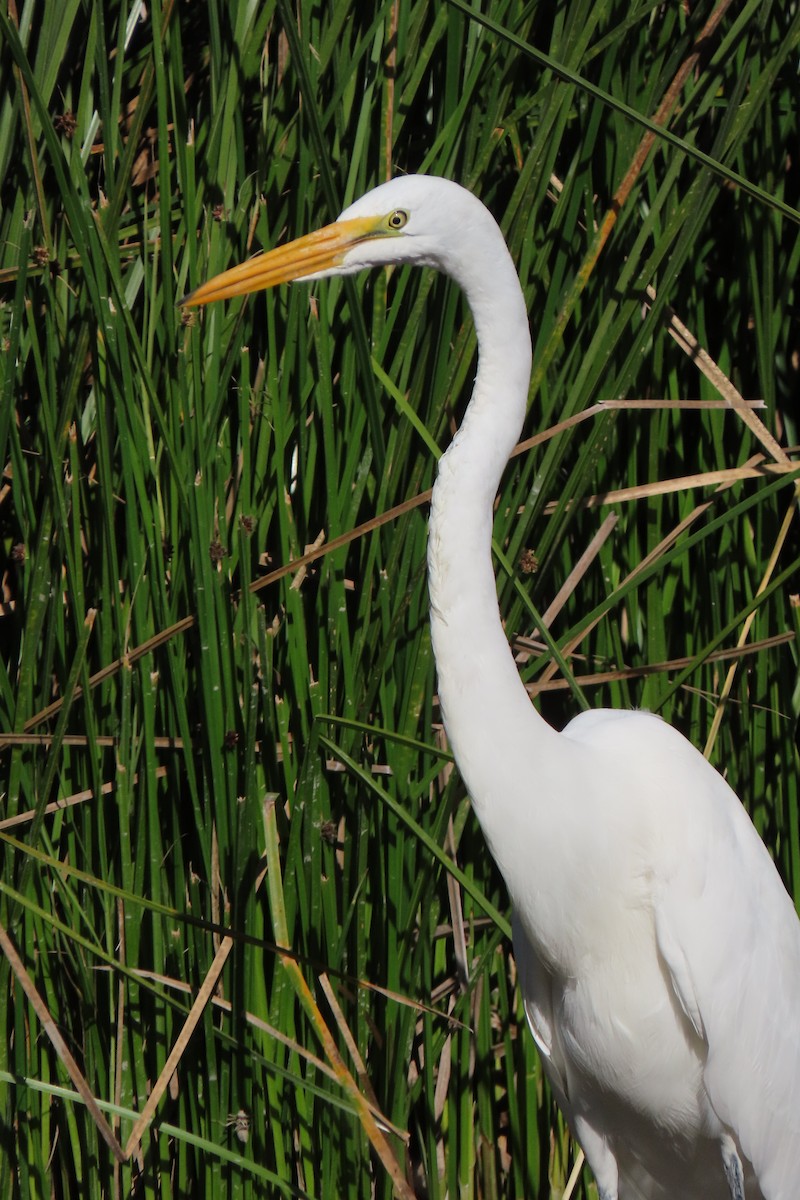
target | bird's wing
x=727, y=932
x=730, y=937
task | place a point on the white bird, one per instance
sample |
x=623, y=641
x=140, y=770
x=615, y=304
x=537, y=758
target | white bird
x=658, y=951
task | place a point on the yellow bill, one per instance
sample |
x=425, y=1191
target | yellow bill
x=309, y=255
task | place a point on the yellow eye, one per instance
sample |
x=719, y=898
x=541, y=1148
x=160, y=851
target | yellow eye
x=397, y=219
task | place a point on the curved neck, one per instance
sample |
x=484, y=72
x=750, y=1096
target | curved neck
x=486, y=710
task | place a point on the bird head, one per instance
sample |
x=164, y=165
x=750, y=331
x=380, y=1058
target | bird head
x=408, y=219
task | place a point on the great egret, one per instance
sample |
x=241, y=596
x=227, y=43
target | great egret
x=658, y=952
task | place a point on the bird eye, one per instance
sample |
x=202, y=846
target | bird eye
x=398, y=219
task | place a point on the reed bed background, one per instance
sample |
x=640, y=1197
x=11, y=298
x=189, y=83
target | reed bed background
x=253, y=944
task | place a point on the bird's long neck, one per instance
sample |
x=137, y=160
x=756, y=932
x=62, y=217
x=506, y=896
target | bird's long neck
x=487, y=712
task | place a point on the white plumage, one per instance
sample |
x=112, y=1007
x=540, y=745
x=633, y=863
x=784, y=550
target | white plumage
x=658, y=951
